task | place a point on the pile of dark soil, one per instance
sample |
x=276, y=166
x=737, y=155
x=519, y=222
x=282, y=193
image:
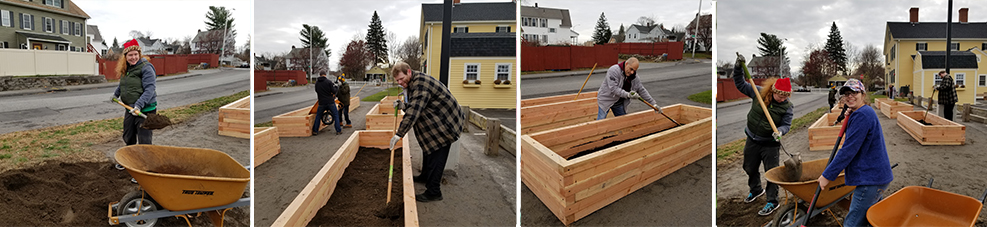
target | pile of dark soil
x=61, y=194
x=360, y=196
x=734, y=212
x=924, y=123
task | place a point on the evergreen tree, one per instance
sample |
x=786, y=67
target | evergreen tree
x=376, y=42
x=602, y=33
x=219, y=18
x=834, y=46
x=312, y=35
x=116, y=45
x=620, y=34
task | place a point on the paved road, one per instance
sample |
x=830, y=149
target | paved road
x=731, y=118
x=25, y=112
x=282, y=100
x=669, y=85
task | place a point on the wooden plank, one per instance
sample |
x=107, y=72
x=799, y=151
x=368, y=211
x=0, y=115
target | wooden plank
x=266, y=144
x=381, y=119
x=410, y=204
x=297, y=123
x=547, y=116
x=557, y=98
x=941, y=132
x=508, y=140
x=234, y=119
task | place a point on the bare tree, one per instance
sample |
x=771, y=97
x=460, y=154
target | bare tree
x=211, y=42
x=410, y=52
x=870, y=63
x=392, y=41
x=647, y=20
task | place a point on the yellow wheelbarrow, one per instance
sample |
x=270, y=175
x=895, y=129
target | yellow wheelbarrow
x=924, y=206
x=793, y=212
x=178, y=181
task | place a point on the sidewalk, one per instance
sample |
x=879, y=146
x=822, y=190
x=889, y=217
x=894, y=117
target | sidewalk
x=601, y=69
x=191, y=73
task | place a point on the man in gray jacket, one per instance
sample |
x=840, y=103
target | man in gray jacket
x=620, y=88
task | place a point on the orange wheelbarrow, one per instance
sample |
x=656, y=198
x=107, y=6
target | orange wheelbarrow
x=924, y=206
x=178, y=181
x=793, y=212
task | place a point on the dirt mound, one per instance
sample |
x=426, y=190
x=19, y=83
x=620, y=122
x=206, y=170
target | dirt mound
x=360, y=195
x=67, y=194
x=734, y=212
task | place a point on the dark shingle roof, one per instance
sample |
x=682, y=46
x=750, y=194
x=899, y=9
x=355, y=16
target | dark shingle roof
x=43, y=36
x=550, y=13
x=957, y=59
x=906, y=30
x=92, y=29
x=482, y=44
x=472, y=11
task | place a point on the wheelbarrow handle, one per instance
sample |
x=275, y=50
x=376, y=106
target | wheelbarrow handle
x=983, y=197
x=930, y=182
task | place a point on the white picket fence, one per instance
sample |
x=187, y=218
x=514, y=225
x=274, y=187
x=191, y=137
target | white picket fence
x=20, y=62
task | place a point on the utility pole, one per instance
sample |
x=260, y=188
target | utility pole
x=446, y=32
x=226, y=32
x=949, y=33
x=310, y=74
x=781, y=57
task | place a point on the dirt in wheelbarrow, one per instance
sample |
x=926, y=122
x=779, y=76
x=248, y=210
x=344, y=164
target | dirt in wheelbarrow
x=360, y=197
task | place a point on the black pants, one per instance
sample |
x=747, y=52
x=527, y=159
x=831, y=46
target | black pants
x=345, y=113
x=433, y=165
x=132, y=131
x=754, y=154
x=947, y=111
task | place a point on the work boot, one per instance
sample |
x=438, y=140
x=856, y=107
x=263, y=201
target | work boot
x=347, y=126
x=315, y=133
x=427, y=198
x=339, y=133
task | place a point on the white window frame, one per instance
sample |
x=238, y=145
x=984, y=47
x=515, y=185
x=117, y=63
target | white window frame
x=983, y=46
x=551, y=30
x=524, y=21
x=465, y=29
x=62, y=47
x=497, y=71
x=466, y=71
x=78, y=29
x=957, y=46
x=26, y=22
x=65, y=27
x=543, y=22
x=49, y=27
x=503, y=29
x=5, y=19
x=959, y=79
x=921, y=46
x=983, y=80
x=936, y=79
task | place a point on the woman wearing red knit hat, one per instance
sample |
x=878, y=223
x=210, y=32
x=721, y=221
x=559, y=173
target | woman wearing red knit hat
x=136, y=89
x=763, y=143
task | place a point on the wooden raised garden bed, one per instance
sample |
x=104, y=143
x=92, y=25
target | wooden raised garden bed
x=267, y=144
x=549, y=115
x=315, y=195
x=891, y=108
x=941, y=132
x=354, y=103
x=297, y=123
x=555, y=99
x=382, y=118
x=822, y=133
x=234, y=119
x=654, y=147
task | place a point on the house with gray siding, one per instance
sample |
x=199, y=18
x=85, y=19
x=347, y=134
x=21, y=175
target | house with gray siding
x=43, y=25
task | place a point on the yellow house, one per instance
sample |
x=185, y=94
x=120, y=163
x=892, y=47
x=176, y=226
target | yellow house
x=376, y=73
x=482, y=52
x=915, y=52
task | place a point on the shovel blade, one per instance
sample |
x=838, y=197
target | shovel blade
x=793, y=168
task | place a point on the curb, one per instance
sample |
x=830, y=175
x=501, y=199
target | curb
x=79, y=87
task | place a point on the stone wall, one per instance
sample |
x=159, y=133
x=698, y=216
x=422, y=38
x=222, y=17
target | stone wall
x=8, y=83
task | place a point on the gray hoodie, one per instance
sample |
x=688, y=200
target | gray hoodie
x=611, y=90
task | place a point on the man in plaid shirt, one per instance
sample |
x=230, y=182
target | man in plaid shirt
x=437, y=120
x=947, y=95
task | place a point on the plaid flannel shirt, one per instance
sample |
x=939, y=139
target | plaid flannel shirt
x=433, y=112
x=947, y=93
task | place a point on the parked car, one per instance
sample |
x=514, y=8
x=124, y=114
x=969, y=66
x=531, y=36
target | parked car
x=243, y=65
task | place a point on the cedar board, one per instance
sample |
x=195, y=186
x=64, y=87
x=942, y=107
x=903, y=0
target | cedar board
x=234, y=119
x=941, y=132
x=267, y=144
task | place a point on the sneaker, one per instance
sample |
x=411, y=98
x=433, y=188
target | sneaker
x=118, y=167
x=427, y=198
x=315, y=133
x=768, y=209
x=751, y=196
x=133, y=181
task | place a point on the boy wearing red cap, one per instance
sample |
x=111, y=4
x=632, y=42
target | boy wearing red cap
x=763, y=143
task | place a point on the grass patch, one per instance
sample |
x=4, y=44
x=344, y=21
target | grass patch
x=699, y=55
x=74, y=141
x=380, y=95
x=265, y=124
x=702, y=97
x=872, y=96
x=730, y=151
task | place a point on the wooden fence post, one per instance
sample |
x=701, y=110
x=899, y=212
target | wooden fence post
x=493, y=137
x=966, y=112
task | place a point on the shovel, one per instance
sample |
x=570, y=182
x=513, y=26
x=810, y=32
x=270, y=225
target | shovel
x=927, y=110
x=152, y=121
x=659, y=111
x=839, y=137
x=793, y=165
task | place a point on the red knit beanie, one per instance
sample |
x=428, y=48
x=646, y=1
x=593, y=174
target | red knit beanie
x=783, y=86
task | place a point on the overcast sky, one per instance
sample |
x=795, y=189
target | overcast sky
x=584, y=14
x=805, y=23
x=165, y=19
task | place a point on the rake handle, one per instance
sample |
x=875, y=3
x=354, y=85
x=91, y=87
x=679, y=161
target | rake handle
x=584, y=82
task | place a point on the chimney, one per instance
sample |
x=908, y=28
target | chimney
x=963, y=15
x=913, y=15
x=536, y=5
x=455, y=2
x=292, y=47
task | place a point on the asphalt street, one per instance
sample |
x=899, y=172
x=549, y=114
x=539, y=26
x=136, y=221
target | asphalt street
x=668, y=85
x=83, y=103
x=731, y=117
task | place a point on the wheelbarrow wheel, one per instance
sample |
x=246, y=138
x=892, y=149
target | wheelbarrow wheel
x=327, y=116
x=132, y=203
x=784, y=215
